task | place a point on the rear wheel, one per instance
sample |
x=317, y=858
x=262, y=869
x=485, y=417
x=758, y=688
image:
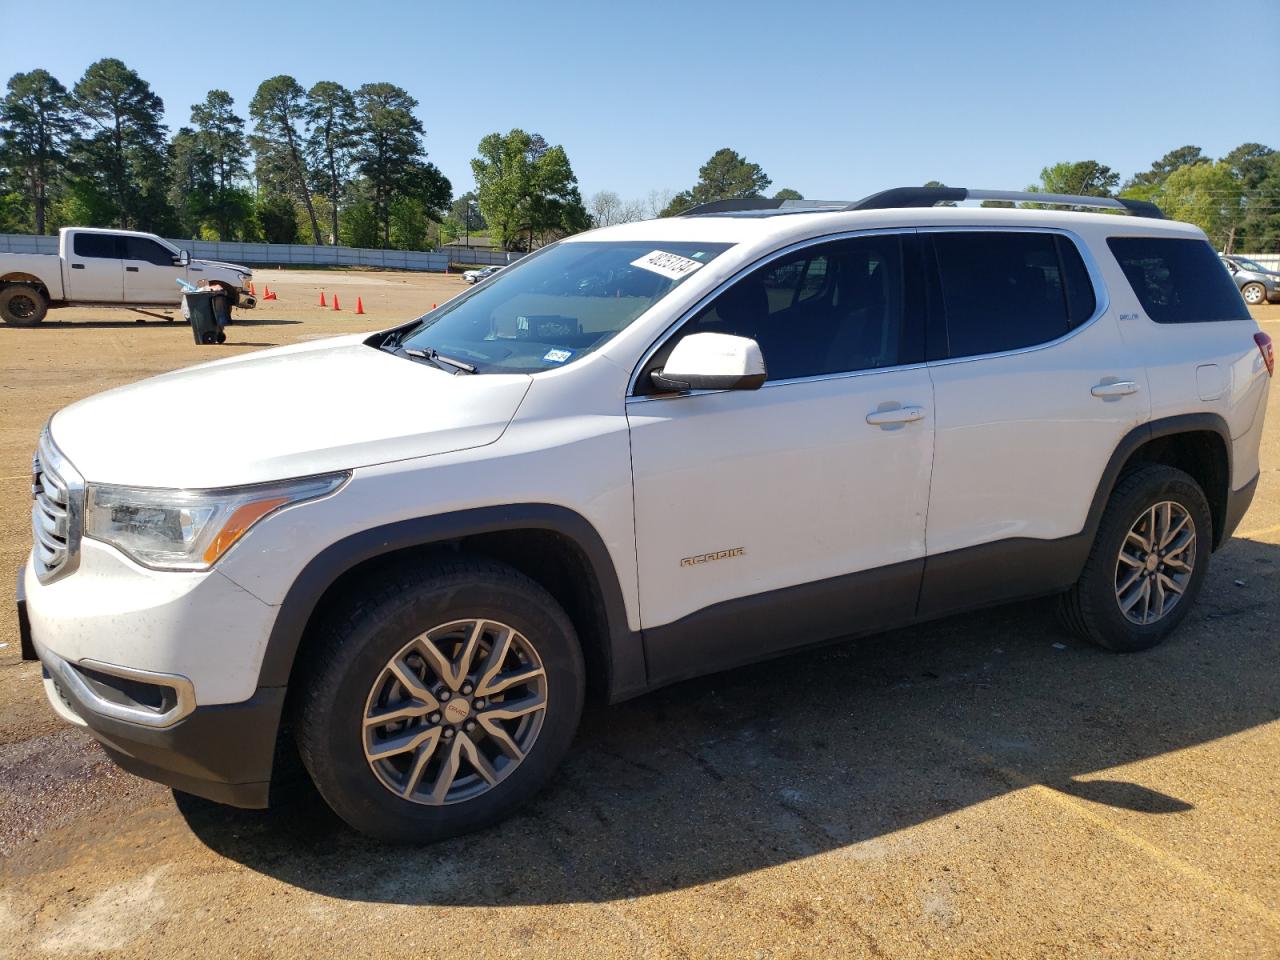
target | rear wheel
x=440, y=701
x=1254, y=293
x=22, y=305
x=1147, y=564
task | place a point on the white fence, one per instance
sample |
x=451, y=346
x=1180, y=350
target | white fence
x=289, y=254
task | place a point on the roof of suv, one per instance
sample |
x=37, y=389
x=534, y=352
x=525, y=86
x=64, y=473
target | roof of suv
x=780, y=229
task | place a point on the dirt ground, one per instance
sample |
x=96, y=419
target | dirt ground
x=978, y=787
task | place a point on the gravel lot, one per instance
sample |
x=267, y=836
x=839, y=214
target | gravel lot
x=982, y=786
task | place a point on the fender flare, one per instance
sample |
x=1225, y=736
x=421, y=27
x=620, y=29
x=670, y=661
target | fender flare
x=624, y=655
x=1143, y=433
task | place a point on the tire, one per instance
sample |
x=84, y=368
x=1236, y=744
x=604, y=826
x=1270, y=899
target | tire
x=348, y=676
x=1092, y=608
x=22, y=305
x=1254, y=294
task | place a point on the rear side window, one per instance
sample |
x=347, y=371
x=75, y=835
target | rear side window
x=1178, y=281
x=1003, y=290
x=98, y=246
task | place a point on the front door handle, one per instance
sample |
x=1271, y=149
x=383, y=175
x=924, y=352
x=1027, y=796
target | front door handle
x=131, y=269
x=1120, y=388
x=880, y=418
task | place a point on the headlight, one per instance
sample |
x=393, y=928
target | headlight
x=189, y=529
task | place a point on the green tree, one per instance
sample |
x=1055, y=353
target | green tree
x=1087, y=178
x=358, y=224
x=277, y=218
x=1187, y=156
x=191, y=181
x=726, y=176
x=1207, y=195
x=331, y=114
x=124, y=158
x=390, y=155
x=526, y=189
x=279, y=111
x=786, y=193
x=1257, y=168
x=220, y=135
x=37, y=126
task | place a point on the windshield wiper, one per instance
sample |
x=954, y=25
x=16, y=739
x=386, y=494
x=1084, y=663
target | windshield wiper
x=438, y=359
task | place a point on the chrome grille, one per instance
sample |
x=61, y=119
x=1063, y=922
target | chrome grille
x=57, y=509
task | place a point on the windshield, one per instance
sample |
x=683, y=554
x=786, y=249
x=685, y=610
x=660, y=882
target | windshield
x=557, y=305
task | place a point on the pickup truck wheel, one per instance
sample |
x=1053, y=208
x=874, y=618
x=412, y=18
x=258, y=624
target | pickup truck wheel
x=438, y=702
x=1148, y=561
x=22, y=306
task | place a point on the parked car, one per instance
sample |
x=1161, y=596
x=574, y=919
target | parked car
x=484, y=273
x=801, y=427
x=108, y=268
x=1257, y=283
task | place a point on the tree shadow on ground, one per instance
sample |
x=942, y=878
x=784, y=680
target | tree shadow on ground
x=821, y=749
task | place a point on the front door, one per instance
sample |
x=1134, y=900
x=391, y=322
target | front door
x=795, y=513
x=94, y=271
x=150, y=275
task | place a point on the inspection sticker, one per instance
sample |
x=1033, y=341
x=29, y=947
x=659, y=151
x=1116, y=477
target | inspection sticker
x=668, y=264
x=557, y=356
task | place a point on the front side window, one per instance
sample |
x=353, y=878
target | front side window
x=831, y=308
x=1177, y=280
x=148, y=251
x=96, y=246
x=558, y=305
x=1004, y=290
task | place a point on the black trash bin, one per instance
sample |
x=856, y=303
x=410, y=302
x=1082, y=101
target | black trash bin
x=207, y=311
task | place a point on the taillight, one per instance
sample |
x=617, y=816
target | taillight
x=1268, y=353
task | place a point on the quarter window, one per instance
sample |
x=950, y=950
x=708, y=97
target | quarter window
x=1004, y=290
x=96, y=246
x=830, y=308
x=1178, y=281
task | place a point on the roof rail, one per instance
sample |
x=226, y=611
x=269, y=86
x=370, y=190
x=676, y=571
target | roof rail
x=928, y=196
x=762, y=203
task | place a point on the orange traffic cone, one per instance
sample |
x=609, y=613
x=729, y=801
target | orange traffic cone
x=322, y=303
x=267, y=294
x=433, y=306
x=359, y=306
x=252, y=293
x=335, y=302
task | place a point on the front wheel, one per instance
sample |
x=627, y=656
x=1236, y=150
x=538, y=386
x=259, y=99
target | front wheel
x=1148, y=561
x=439, y=701
x=1254, y=294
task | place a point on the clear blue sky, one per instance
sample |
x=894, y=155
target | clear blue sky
x=838, y=101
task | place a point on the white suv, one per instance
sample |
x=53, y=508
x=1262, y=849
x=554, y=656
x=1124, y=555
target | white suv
x=641, y=454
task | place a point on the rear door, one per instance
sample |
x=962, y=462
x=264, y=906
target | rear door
x=150, y=275
x=94, y=268
x=1034, y=388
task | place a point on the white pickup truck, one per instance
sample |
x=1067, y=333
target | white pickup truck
x=108, y=268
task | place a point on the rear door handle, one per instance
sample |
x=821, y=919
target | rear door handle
x=880, y=418
x=77, y=266
x=1120, y=388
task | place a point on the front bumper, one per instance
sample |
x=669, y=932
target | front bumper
x=222, y=752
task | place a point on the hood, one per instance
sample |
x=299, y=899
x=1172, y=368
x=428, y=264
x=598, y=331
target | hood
x=290, y=412
x=223, y=264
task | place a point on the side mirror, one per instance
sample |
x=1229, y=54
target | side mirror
x=712, y=361
x=182, y=259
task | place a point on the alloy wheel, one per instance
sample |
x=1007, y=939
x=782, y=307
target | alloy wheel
x=455, y=711
x=1156, y=561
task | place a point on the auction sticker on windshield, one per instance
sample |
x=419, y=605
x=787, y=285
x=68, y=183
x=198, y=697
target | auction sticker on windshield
x=668, y=264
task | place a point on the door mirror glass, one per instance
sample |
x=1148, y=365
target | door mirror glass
x=712, y=361
x=182, y=259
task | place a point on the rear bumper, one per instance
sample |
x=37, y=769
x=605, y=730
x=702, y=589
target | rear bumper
x=223, y=752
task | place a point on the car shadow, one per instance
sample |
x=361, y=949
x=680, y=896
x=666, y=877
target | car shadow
x=816, y=751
